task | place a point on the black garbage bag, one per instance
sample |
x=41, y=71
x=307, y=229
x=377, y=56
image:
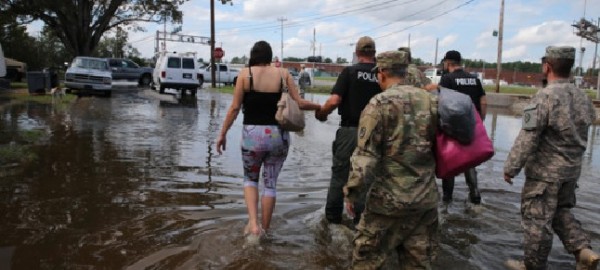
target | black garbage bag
x=457, y=115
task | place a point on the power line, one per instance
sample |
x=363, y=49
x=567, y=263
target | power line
x=270, y=25
x=390, y=23
x=142, y=39
x=298, y=23
x=428, y=20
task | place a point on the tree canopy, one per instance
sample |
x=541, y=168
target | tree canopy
x=80, y=24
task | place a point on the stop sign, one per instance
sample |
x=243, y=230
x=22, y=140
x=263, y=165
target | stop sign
x=219, y=53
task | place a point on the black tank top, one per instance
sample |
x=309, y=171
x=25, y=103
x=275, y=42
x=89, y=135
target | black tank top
x=259, y=108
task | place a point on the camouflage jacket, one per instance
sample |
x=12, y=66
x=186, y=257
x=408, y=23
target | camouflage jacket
x=554, y=135
x=416, y=77
x=393, y=159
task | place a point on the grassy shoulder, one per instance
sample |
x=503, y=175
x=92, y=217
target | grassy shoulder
x=22, y=96
x=518, y=90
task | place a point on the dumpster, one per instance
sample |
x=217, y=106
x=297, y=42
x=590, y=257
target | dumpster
x=51, y=78
x=36, y=82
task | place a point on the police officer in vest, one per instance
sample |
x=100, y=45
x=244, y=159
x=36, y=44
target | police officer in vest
x=355, y=86
x=461, y=81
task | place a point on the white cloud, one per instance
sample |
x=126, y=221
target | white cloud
x=448, y=41
x=550, y=32
x=515, y=53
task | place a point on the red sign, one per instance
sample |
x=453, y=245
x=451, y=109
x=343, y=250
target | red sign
x=219, y=53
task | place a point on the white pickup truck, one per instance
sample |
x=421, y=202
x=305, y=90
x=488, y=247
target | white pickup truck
x=223, y=73
x=434, y=74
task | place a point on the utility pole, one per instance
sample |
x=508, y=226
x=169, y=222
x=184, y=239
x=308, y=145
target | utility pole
x=282, y=19
x=435, y=62
x=409, y=40
x=314, y=48
x=595, y=58
x=213, y=83
x=500, y=34
x=589, y=31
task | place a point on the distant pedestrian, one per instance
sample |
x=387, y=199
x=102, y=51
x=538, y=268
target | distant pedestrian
x=550, y=146
x=303, y=80
x=276, y=62
x=352, y=91
x=461, y=81
x=394, y=163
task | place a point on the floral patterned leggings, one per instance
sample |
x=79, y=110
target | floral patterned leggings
x=263, y=146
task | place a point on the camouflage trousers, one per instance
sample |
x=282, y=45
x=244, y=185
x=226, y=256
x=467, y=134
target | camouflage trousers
x=413, y=236
x=546, y=208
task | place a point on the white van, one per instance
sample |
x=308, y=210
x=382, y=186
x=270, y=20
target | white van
x=177, y=71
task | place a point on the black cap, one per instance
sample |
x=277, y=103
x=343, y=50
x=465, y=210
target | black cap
x=452, y=55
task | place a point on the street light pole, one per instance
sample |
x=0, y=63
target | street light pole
x=281, y=19
x=596, y=57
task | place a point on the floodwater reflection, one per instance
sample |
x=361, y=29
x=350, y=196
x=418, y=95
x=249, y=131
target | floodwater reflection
x=134, y=182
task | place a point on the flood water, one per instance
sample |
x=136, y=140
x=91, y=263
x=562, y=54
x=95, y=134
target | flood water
x=132, y=182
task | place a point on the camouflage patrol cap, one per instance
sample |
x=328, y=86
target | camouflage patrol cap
x=407, y=50
x=560, y=52
x=365, y=44
x=392, y=59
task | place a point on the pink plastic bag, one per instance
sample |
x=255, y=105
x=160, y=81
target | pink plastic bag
x=453, y=158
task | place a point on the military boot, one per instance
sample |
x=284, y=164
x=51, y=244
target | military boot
x=447, y=188
x=587, y=260
x=471, y=179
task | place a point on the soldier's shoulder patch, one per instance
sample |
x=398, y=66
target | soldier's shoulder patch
x=530, y=117
x=362, y=132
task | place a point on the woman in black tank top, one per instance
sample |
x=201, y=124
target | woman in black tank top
x=263, y=143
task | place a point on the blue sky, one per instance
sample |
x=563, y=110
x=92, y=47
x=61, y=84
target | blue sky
x=463, y=25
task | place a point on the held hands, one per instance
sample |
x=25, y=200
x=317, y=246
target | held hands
x=321, y=115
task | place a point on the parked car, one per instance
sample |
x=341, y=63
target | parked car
x=223, y=73
x=125, y=69
x=176, y=71
x=15, y=70
x=89, y=74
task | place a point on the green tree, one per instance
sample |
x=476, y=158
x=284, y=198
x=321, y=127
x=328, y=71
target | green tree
x=328, y=60
x=80, y=24
x=54, y=53
x=293, y=59
x=236, y=60
x=418, y=62
x=341, y=60
x=116, y=46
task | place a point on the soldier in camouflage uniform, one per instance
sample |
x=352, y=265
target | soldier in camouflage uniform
x=394, y=162
x=414, y=76
x=550, y=146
